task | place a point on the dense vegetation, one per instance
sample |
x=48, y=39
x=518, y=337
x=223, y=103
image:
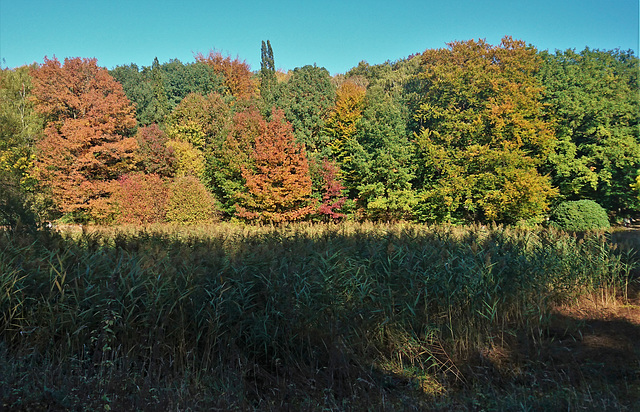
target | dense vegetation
x=469, y=133
x=305, y=317
x=186, y=285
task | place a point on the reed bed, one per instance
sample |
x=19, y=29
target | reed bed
x=305, y=316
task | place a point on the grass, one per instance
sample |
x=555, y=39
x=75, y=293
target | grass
x=302, y=317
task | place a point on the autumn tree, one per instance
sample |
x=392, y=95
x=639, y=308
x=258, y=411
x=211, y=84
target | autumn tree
x=238, y=78
x=225, y=165
x=140, y=198
x=332, y=192
x=86, y=144
x=279, y=186
x=154, y=156
x=481, y=133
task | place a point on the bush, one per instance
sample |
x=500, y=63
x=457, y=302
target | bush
x=141, y=199
x=579, y=215
x=190, y=202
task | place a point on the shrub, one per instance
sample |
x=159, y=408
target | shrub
x=141, y=198
x=579, y=215
x=189, y=201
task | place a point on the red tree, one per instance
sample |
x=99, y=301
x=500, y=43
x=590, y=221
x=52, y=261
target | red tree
x=279, y=185
x=85, y=145
x=332, y=197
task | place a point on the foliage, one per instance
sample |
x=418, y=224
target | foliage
x=481, y=133
x=189, y=201
x=306, y=99
x=342, y=120
x=636, y=185
x=268, y=78
x=384, y=182
x=579, y=215
x=189, y=161
x=154, y=156
x=20, y=126
x=203, y=121
x=238, y=79
x=86, y=143
x=157, y=89
x=592, y=97
x=141, y=199
x=332, y=192
x=279, y=185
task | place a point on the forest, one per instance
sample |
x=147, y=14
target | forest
x=468, y=133
x=427, y=234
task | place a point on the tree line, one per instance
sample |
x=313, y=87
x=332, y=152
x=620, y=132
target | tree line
x=472, y=132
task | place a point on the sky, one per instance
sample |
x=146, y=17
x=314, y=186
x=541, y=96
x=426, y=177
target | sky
x=335, y=34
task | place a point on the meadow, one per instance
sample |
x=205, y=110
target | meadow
x=311, y=317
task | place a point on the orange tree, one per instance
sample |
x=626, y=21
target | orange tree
x=87, y=141
x=481, y=134
x=278, y=184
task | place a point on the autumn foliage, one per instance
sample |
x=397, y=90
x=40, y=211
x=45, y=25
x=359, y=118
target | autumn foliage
x=238, y=78
x=279, y=185
x=86, y=144
x=141, y=198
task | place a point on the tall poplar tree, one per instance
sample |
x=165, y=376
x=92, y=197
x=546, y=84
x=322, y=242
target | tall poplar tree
x=267, y=74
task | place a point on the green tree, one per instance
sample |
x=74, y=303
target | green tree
x=384, y=182
x=20, y=127
x=306, y=99
x=268, y=78
x=481, y=134
x=593, y=99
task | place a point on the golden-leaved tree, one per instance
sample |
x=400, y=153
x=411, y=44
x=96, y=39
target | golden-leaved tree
x=482, y=137
x=87, y=141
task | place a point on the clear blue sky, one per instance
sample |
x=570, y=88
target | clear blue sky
x=336, y=34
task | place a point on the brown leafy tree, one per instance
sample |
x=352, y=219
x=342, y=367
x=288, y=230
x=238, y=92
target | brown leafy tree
x=279, y=185
x=238, y=78
x=86, y=144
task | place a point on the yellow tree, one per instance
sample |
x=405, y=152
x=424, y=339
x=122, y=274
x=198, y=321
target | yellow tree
x=482, y=136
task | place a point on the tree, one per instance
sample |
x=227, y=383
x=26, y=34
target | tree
x=332, y=192
x=306, y=99
x=86, y=144
x=238, y=79
x=235, y=154
x=384, y=181
x=268, y=78
x=593, y=99
x=279, y=186
x=154, y=156
x=481, y=133
x=20, y=126
x=141, y=199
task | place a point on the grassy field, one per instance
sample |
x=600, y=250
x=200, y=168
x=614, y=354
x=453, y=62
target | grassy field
x=318, y=317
